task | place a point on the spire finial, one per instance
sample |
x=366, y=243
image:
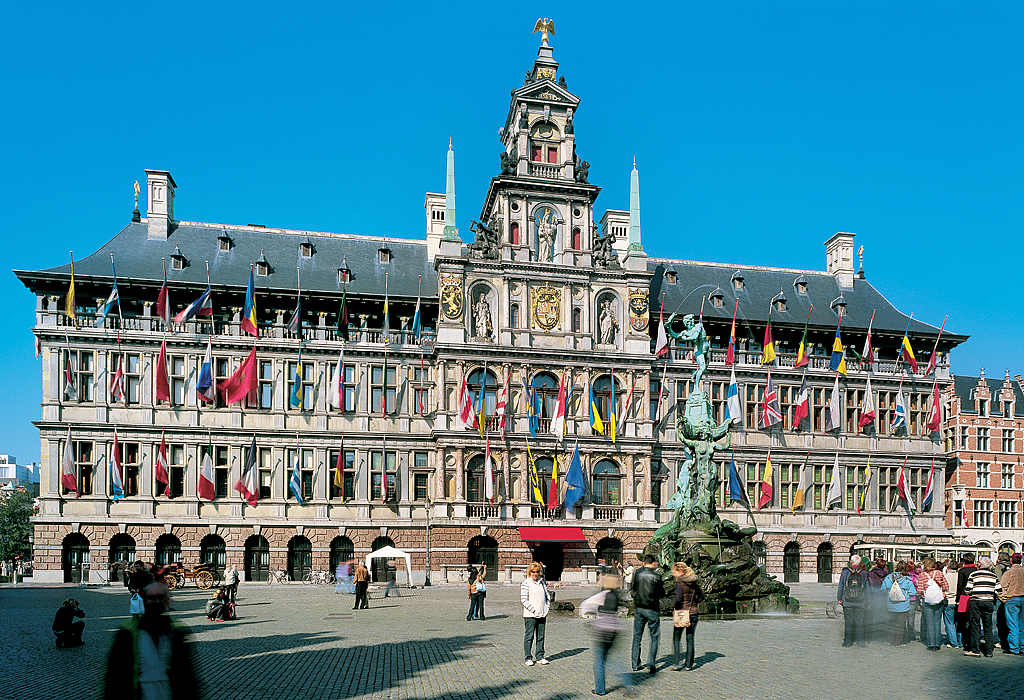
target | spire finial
x=634, y=162
x=449, y=143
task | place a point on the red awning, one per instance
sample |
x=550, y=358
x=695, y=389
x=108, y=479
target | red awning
x=552, y=534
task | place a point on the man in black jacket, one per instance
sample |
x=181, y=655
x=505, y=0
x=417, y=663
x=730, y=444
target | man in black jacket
x=646, y=599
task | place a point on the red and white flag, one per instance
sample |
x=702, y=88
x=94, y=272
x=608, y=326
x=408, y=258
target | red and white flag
x=39, y=347
x=867, y=354
x=68, y=474
x=867, y=407
x=558, y=422
x=204, y=484
x=488, y=473
x=161, y=466
x=466, y=416
x=662, y=346
x=246, y=484
x=336, y=394
x=803, y=405
x=933, y=362
x=163, y=383
x=70, y=390
x=117, y=383
x=730, y=354
x=499, y=409
x=935, y=421
x=771, y=413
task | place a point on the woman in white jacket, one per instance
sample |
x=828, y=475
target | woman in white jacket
x=534, y=594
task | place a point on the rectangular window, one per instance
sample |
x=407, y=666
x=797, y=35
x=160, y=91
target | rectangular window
x=535, y=154
x=983, y=440
x=1007, y=476
x=132, y=377
x=983, y=514
x=306, y=382
x=964, y=432
x=655, y=393
x=552, y=154
x=306, y=472
x=176, y=369
x=380, y=387
x=265, y=472
x=983, y=405
x=420, y=392
x=958, y=513
x=854, y=400
x=348, y=468
x=1007, y=514
x=84, y=464
x=421, y=477
x=375, y=470
x=754, y=473
x=221, y=372
x=983, y=474
x=819, y=401
x=420, y=487
x=176, y=468
x=220, y=471
x=83, y=370
x=1007, y=441
x=130, y=464
x=755, y=392
x=264, y=394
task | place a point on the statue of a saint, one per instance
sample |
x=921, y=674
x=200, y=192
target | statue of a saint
x=608, y=323
x=482, y=316
x=546, y=230
x=695, y=332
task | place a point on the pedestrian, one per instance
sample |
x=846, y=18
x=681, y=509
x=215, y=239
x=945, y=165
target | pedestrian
x=341, y=576
x=231, y=582
x=481, y=592
x=951, y=633
x=472, y=595
x=983, y=587
x=931, y=588
x=852, y=594
x=647, y=603
x=153, y=653
x=140, y=578
x=998, y=614
x=898, y=588
x=68, y=630
x=684, y=618
x=362, y=580
x=534, y=595
x=604, y=605
x=963, y=604
x=1013, y=605
x=913, y=571
x=876, y=614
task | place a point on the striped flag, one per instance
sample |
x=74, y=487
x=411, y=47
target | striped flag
x=248, y=323
x=339, y=469
x=834, y=415
x=835, y=488
x=163, y=306
x=488, y=473
x=867, y=407
x=837, y=363
x=802, y=358
x=68, y=473
x=117, y=382
x=69, y=300
x=500, y=408
x=558, y=422
x=768, y=354
x=935, y=419
x=771, y=413
x=733, y=402
x=862, y=503
x=116, y=472
x=246, y=484
x=903, y=493
x=205, y=488
x=161, y=472
x=766, y=484
x=804, y=485
x=295, y=483
x=730, y=354
x=926, y=505
x=465, y=417
x=802, y=409
x=906, y=351
x=205, y=390
x=203, y=306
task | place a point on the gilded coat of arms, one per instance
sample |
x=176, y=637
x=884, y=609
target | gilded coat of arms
x=451, y=294
x=638, y=309
x=547, y=307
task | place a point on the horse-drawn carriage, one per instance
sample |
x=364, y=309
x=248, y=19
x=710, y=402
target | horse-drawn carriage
x=205, y=575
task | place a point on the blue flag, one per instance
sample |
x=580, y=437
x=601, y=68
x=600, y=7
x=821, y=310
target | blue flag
x=532, y=409
x=736, y=490
x=296, y=481
x=296, y=398
x=574, y=480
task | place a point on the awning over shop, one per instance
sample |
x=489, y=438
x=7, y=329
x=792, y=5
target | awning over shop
x=552, y=534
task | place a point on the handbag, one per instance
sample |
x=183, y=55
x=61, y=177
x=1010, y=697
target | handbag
x=681, y=618
x=961, y=606
x=135, y=607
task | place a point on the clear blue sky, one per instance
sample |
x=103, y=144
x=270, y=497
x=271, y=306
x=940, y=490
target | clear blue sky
x=759, y=129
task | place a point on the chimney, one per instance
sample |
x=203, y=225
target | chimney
x=160, y=212
x=839, y=258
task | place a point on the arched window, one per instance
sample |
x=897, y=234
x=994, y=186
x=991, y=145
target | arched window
x=547, y=397
x=484, y=550
x=257, y=558
x=168, y=550
x=544, y=141
x=122, y=548
x=577, y=316
x=514, y=316
x=490, y=389
x=379, y=565
x=760, y=554
x=1007, y=548
x=610, y=550
x=607, y=483
x=514, y=233
x=212, y=549
x=341, y=550
x=300, y=557
x=476, y=480
x=605, y=397
x=544, y=467
x=577, y=238
x=791, y=563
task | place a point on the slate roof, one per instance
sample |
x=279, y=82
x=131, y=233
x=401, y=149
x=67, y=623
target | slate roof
x=965, y=386
x=138, y=260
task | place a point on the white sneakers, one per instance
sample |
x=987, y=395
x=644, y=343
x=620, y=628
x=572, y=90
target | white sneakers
x=543, y=662
x=529, y=662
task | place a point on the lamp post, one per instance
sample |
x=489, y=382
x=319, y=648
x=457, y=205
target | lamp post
x=426, y=576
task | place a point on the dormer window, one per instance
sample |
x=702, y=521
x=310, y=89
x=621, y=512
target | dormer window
x=800, y=285
x=737, y=281
x=717, y=298
x=306, y=249
x=344, y=275
x=670, y=276
x=178, y=260
x=839, y=306
x=384, y=255
x=780, y=304
x=224, y=243
x=263, y=266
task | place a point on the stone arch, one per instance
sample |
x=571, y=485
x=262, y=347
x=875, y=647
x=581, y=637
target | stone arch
x=379, y=565
x=342, y=549
x=257, y=558
x=74, y=557
x=300, y=557
x=825, y=562
x=609, y=549
x=791, y=562
x=168, y=550
x=121, y=549
x=478, y=289
x=483, y=549
x=213, y=549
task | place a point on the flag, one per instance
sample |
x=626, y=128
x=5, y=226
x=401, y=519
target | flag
x=899, y=417
x=534, y=479
x=117, y=383
x=39, y=347
x=867, y=354
x=862, y=504
x=766, y=484
x=533, y=408
x=69, y=300
x=730, y=354
x=802, y=487
x=834, y=415
x=558, y=422
x=838, y=361
x=295, y=483
x=416, y=321
x=116, y=472
x=835, y=488
x=246, y=484
x=242, y=382
x=488, y=472
x=465, y=418
x=926, y=504
x=906, y=351
x=867, y=406
x=205, y=390
x=611, y=407
x=768, y=353
x=339, y=468
x=481, y=421
x=163, y=383
x=903, y=494
x=108, y=305
x=295, y=322
x=733, y=402
x=935, y=351
x=629, y=398
x=163, y=306
x=802, y=358
x=736, y=490
x=295, y=400
x=802, y=409
x=161, y=472
x=935, y=419
x=385, y=327
x=553, y=487
x=70, y=390
x=337, y=393
x=771, y=414
x=661, y=348
x=596, y=424
x=205, y=488
x=499, y=409
x=203, y=306
x=575, y=483
x=384, y=470
x=249, y=313
x=68, y=473
x=343, y=316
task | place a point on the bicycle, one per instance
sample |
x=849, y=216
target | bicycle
x=319, y=578
x=279, y=576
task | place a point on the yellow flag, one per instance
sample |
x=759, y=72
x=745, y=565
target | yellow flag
x=69, y=300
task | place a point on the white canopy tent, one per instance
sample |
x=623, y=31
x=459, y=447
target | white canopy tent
x=391, y=553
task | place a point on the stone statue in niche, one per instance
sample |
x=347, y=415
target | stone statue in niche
x=524, y=119
x=604, y=253
x=485, y=243
x=608, y=323
x=546, y=230
x=482, y=316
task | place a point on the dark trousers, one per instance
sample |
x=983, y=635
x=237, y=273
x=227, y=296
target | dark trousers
x=897, y=628
x=677, y=634
x=652, y=619
x=72, y=635
x=981, y=617
x=232, y=591
x=534, y=629
x=361, y=587
x=480, y=605
x=474, y=606
x=853, y=619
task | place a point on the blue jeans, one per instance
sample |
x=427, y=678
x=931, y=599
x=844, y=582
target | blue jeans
x=952, y=636
x=534, y=628
x=345, y=584
x=1014, y=609
x=602, y=656
x=642, y=617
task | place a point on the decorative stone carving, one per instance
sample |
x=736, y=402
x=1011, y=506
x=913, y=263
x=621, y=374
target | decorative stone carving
x=639, y=309
x=604, y=253
x=547, y=228
x=508, y=164
x=547, y=307
x=485, y=244
x=482, y=316
x=608, y=323
x=582, y=167
x=451, y=295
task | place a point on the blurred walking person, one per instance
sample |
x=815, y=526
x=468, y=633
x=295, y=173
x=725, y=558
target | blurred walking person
x=604, y=606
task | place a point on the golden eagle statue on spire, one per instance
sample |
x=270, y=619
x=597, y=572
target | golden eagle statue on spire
x=544, y=26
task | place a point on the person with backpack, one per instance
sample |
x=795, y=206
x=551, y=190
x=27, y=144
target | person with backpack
x=898, y=589
x=931, y=593
x=853, y=596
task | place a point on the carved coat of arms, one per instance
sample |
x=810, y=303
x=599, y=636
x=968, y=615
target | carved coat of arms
x=451, y=295
x=639, y=309
x=547, y=307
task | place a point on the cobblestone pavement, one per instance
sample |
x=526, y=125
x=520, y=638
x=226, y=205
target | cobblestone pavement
x=295, y=641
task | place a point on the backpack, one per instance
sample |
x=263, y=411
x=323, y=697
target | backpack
x=896, y=594
x=854, y=590
x=933, y=595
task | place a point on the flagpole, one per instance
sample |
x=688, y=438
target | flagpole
x=384, y=377
x=932, y=363
x=899, y=355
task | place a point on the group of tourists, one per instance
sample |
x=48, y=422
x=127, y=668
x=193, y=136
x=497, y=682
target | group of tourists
x=477, y=592
x=976, y=606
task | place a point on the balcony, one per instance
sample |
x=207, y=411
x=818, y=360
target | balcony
x=787, y=360
x=607, y=513
x=546, y=170
x=542, y=513
x=481, y=511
